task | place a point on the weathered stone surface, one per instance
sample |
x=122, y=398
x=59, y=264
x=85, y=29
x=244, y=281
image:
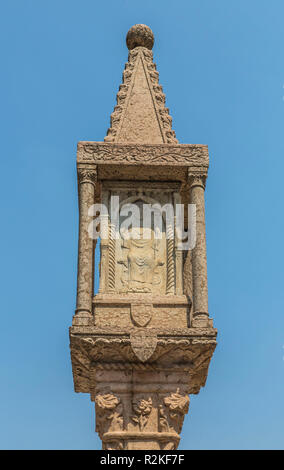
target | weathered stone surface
x=140, y=35
x=145, y=341
x=140, y=98
x=102, y=153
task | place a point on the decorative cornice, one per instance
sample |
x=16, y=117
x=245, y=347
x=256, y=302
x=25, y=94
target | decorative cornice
x=143, y=154
x=90, y=352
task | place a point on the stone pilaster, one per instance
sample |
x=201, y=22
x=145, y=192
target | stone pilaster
x=197, y=180
x=87, y=179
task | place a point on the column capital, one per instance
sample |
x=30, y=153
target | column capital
x=133, y=420
x=197, y=177
x=87, y=175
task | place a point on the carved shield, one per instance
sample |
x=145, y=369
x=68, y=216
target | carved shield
x=141, y=314
x=143, y=343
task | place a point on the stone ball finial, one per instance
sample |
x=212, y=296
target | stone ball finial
x=140, y=35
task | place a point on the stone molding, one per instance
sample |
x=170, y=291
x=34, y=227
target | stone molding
x=143, y=154
x=107, y=352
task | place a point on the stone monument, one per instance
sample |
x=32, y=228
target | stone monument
x=143, y=344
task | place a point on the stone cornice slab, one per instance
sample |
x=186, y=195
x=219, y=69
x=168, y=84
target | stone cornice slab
x=182, y=155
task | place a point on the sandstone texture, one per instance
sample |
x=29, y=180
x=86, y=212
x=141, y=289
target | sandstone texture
x=144, y=343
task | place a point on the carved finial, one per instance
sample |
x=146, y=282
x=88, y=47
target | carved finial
x=140, y=115
x=140, y=35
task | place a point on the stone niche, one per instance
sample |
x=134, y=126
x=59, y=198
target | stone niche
x=141, y=272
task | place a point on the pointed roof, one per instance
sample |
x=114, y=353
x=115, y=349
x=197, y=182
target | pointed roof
x=140, y=115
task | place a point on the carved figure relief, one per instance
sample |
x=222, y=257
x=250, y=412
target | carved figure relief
x=141, y=262
x=141, y=254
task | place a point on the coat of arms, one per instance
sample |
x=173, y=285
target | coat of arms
x=143, y=343
x=141, y=314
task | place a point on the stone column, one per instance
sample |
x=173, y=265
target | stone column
x=197, y=180
x=87, y=179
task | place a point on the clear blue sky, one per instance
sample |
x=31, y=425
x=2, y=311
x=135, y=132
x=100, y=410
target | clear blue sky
x=221, y=66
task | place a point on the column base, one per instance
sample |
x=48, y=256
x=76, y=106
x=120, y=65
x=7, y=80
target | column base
x=140, y=440
x=201, y=320
x=82, y=318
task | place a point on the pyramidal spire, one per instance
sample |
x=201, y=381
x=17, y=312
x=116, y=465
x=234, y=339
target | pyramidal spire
x=140, y=115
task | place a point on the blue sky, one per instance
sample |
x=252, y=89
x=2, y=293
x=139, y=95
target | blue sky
x=221, y=66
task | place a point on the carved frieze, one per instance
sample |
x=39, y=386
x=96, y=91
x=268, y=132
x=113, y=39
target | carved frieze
x=143, y=154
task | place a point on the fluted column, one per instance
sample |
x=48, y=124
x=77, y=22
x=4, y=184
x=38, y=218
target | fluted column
x=87, y=179
x=197, y=180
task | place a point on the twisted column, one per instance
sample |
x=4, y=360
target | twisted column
x=105, y=237
x=111, y=279
x=87, y=179
x=178, y=252
x=170, y=260
x=197, y=180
